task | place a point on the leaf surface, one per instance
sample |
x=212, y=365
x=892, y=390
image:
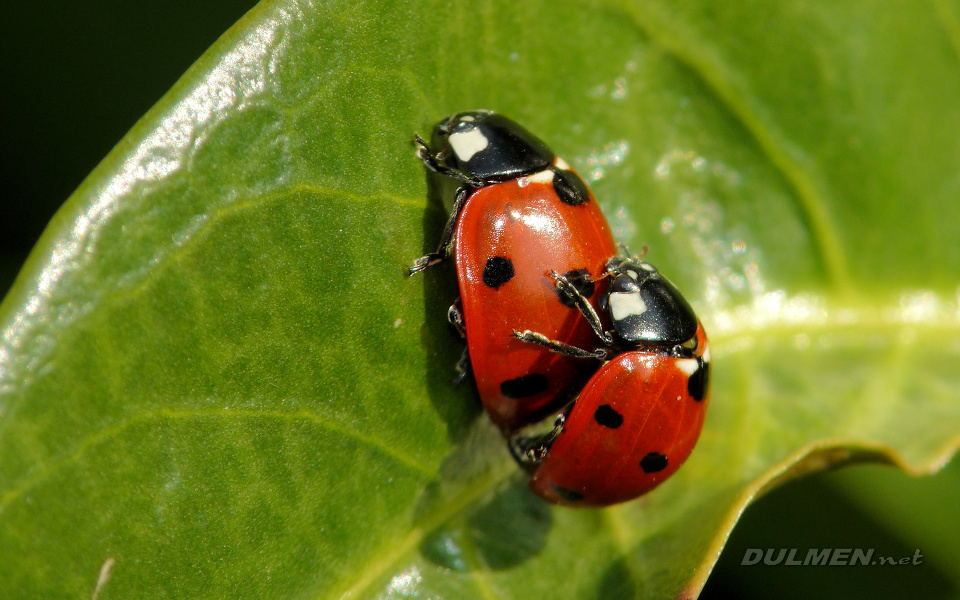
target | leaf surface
x=216, y=380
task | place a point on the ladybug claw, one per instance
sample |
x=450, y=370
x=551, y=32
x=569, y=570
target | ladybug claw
x=529, y=450
x=421, y=145
x=463, y=368
x=424, y=262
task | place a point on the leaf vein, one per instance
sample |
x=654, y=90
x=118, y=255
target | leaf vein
x=378, y=566
x=106, y=434
x=613, y=519
x=811, y=194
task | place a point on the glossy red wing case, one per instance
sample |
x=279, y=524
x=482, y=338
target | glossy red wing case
x=633, y=425
x=525, y=224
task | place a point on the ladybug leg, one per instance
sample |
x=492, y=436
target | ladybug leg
x=446, y=239
x=463, y=368
x=529, y=450
x=559, y=347
x=586, y=309
x=455, y=318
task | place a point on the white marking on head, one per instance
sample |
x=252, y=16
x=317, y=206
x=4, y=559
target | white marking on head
x=562, y=164
x=706, y=353
x=632, y=274
x=625, y=304
x=688, y=366
x=648, y=267
x=467, y=118
x=467, y=143
x=544, y=176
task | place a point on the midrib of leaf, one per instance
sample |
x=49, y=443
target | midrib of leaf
x=477, y=567
x=620, y=530
x=717, y=79
x=738, y=333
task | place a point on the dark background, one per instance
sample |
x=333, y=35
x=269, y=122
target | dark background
x=76, y=76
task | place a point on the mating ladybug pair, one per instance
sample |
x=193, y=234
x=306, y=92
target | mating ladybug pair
x=556, y=321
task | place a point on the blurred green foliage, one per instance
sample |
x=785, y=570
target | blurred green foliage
x=74, y=79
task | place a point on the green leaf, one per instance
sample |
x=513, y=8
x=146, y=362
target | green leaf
x=216, y=380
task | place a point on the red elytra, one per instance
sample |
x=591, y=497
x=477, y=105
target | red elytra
x=633, y=425
x=524, y=223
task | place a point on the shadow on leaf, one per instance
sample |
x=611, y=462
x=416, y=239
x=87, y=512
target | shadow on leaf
x=458, y=406
x=507, y=530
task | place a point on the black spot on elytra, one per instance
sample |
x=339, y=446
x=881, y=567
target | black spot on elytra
x=700, y=380
x=606, y=416
x=497, y=271
x=653, y=462
x=570, y=188
x=568, y=495
x=525, y=386
x=580, y=278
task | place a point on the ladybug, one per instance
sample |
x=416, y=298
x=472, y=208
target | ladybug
x=518, y=211
x=638, y=418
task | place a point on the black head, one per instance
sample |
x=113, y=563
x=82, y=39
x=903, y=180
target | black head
x=488, y=147
x=645, y=307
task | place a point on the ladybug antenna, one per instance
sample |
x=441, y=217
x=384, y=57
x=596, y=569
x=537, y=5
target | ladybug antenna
x=626, y=251
x=434, y=162
x=600, y=277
